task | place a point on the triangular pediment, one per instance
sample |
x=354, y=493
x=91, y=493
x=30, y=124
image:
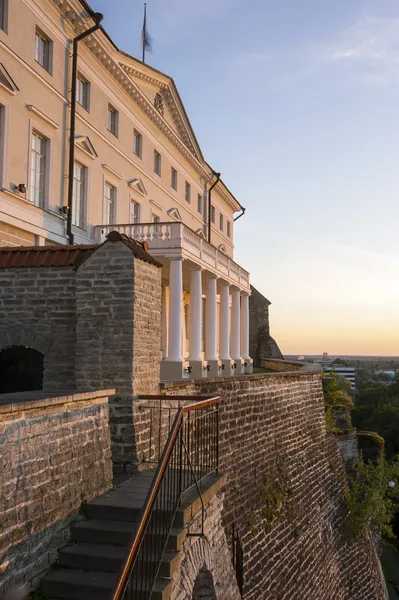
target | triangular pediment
x=83, y=142
x=161, y=92
x=6, y=81
x=174, y=213
x=138, y=185
x=222, y=248
x=200, y=232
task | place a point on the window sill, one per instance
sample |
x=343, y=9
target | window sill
x=113, y=133
x=44, y=68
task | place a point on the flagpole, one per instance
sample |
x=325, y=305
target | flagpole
x=143, y=41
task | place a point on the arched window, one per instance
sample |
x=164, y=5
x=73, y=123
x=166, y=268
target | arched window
x=204, y=588
x=21, y=370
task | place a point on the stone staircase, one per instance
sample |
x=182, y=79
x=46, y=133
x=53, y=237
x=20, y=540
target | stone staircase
x=90, y=566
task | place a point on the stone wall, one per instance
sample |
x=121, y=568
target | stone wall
x=285, y=492
x=206, y=571
x=54, y=454
x=37, y=309
x=261, y=344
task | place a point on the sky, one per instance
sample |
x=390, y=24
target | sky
x=297, y=105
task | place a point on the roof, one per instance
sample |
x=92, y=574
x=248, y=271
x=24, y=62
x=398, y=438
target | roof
x=66, y=255
x=171, y=81
x=44, y=256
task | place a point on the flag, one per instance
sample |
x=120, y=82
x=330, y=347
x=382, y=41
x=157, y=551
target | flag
x=145, y=37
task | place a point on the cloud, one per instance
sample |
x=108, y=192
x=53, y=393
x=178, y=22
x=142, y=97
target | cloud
x=367, y=52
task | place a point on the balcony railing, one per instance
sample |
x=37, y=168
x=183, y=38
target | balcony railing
x=166, y=236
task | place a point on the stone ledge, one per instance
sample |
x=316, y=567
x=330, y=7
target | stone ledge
x=22, y=401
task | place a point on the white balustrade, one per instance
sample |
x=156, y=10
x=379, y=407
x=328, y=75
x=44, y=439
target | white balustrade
x=175, y=235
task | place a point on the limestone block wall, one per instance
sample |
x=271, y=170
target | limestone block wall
x=54, y=454
x=206, y=571
x=37, y=309
x=261, y=344
x=285, y=491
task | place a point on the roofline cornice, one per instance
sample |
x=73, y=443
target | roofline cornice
x=105, y=50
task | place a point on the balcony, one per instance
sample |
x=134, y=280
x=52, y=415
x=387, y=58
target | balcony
x=168, y=240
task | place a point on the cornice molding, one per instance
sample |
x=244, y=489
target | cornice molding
x=110, y=170
x=40, y=114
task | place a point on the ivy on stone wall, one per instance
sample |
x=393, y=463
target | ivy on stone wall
x=370, y=498
x=336, y=399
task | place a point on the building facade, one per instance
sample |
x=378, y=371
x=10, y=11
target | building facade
x=138, y=169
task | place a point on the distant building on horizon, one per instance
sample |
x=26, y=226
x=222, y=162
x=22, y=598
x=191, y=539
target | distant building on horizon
x=348, y=372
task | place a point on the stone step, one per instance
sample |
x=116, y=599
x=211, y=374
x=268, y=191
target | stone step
x=117, y=533
x=113, y=509
x=109, y=558
x=74, y=584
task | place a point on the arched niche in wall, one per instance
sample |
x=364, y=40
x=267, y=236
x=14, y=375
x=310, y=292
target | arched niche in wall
x=204, y=588
x=21, y=369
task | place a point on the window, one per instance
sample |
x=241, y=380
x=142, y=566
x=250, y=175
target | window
x=221, y=222
x=38, y=169
x=157, y=163
x=79, y=185
x=3, y=14
x=83, y=92
x=187, y=193
x=109, y=197
x=228, y=225
x=173, y=178
x=113, y=117
x=213, y=214
x=43, y=50
x=138, y=144
x=155, y=218
x=134, y=212
x=199, y=203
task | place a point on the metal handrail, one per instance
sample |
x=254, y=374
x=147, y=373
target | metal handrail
x=154, y=490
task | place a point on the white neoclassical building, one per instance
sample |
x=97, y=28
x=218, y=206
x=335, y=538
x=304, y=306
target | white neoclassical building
x=137, y=168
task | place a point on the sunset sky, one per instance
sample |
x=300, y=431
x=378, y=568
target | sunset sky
x=297, y=104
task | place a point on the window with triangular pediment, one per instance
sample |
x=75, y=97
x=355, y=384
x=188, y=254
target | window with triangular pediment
x=174, y=213
x=6, y=81
x=200, y=232
x=83, y=142
x=138, y=185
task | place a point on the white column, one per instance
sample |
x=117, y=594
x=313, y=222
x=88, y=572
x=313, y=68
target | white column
x=165, y=320
x=224, y=336
x=245, y=327
x=210, y=324
x=175, y=310
x=235, y=325
x=195, y=315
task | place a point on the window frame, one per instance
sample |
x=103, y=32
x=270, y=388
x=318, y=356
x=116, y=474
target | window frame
x=213, y=214
x=82, y=212
x=112, y=125
x=200, y=200
x=4, y=15
x=48, y=64
x=228, y=228
x=221, y=222
x=137, y=206
x=137, y=143
x=187, y=192
x=157, y=163
x=32, y=169
x=86, y=100
x=111, y=201
x=173, y=178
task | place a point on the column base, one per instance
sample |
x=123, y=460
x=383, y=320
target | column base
x=173, y=370
x=198, y=369
x=226, y=368
x=248, y=366
x=213, y=368
x=238, y=366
